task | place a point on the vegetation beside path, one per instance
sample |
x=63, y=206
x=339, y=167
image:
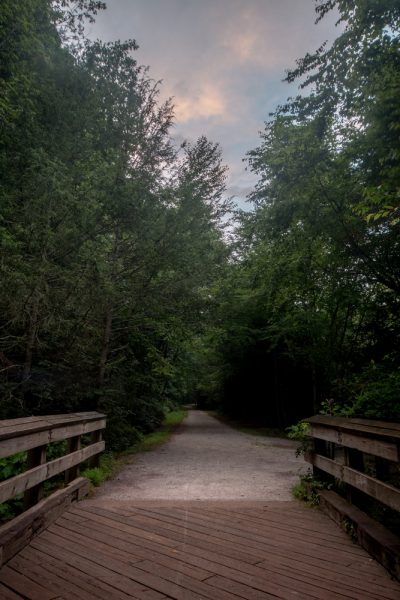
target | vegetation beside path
x=130, y=282
x=111, y=463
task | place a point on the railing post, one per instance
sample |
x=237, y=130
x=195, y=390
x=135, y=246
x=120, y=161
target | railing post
x=32, y=435
x=355, y=460
x=319, y=447
x=347, y=463
x=36, y=457
x=96, y=436
x=74, y=444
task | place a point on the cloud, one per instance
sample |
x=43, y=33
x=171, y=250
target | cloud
x=245, y=47
x=249, y=39
x=203, y=103
x=222, y=61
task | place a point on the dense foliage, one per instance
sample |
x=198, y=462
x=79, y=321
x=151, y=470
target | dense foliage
x=118, y=289
x=309, y=319
x=109, y=235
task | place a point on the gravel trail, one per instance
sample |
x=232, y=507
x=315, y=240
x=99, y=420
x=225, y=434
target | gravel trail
x=208, y=460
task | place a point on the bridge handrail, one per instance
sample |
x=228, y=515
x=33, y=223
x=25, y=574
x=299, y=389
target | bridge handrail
x=33, y=434
x=347, y=444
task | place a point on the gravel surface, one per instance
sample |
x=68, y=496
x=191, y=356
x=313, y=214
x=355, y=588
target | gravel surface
x=208, y=460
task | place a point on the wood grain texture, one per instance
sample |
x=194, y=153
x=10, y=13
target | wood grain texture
x=17, y=533
x=383, y=448
x=20, y=483
x=195, y=551
x=11, y=428
x=381, y=429
x=385, y=493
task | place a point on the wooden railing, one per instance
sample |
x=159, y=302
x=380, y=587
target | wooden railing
x=356, y=453
x=33, y=436
x=363, y=455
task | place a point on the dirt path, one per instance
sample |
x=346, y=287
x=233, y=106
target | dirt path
x=208, y=460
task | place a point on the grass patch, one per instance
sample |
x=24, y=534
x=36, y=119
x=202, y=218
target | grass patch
x=308, y=488
x=174, y=418
x=111, y=464
x=162, y=435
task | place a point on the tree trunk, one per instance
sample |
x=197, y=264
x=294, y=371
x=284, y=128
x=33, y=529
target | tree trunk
x=105, y=347
x=31, y=337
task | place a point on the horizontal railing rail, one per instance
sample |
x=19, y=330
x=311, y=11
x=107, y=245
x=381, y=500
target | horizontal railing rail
x=33, y=435
x=361, y=453
x=361, y=458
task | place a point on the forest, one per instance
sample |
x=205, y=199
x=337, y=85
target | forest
x=130, y=281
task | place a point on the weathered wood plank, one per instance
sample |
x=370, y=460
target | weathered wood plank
x=381, y=429
x=10, y=428
x=376, y=539
x=324, y=557
x=7, y=594
x=97, y=436
x=280, y=563
x=26, y=442
x=74, y=445
x=302, y=582
x=376, y=423
x=26, y=587
x=122, y=557
x=163, y=567
x=125, y=549
x=325, y=464
x=19, y=421
x=21, y=429
x=53, y=582
x=243, y=591
x=384, y=449
x=188, y=583
x=385, y=493
x=273, y=519
x=91, y=586
x=20, y=531
x=231, y=545
x=125, y=577
x=144, y=536
x=214, y=561
x=36, y=457
x=235, y=524
x=25, y=481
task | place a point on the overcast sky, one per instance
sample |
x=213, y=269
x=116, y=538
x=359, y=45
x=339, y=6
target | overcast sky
x=222, y=61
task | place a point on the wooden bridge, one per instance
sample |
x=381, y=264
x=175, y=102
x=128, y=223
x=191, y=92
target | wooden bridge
x=60, y=548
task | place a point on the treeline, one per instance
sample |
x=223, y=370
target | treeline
x=110, y=236
x=119, y=290
x=309, y=316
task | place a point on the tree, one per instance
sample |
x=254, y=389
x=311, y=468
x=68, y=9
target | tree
x=355, y=98
x=110, y=236
x=313, y=295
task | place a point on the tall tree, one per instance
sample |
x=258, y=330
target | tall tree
x=110, y=236
x=314, y=294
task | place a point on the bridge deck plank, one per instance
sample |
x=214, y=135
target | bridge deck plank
x=194, y=551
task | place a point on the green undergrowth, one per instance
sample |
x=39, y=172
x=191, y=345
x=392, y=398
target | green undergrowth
x=111, y=463
x=248, y=427
x=308, y=488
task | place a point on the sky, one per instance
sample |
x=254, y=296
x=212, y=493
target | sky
x=222, y=62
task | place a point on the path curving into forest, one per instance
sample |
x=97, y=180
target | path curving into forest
x=209, y=460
